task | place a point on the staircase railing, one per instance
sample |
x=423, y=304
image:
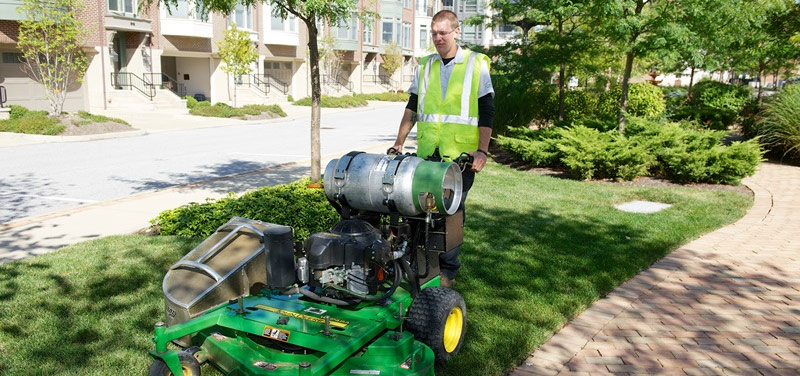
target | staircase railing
x=253, y=81
x=276, y=83
x=338, y=81
x=3, y=96
x=164, y=81
x=133, y=82
x=381, y=79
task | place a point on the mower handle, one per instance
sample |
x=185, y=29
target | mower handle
x=464, y=161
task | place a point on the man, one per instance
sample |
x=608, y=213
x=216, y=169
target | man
x=452, y=101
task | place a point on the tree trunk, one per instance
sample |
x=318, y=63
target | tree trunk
x=316, y=99
x=691, y=82
x=760, y=72
x=626, y=76
x=561, y=74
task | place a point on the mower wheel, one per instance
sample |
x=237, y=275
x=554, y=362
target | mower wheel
x=189, y=365
x=438, y=318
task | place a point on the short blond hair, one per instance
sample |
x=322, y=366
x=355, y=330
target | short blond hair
x=445, y=15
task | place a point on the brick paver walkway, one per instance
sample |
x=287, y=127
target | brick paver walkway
x=725, y=304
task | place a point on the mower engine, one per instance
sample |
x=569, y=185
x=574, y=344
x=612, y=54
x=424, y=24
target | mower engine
x=348, y=257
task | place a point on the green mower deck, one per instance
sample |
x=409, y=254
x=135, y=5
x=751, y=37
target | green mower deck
x=287, y=335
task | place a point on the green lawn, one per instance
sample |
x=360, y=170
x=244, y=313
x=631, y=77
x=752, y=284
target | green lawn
x=538, y=251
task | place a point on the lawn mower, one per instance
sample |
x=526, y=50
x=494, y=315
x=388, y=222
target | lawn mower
x=362, y=298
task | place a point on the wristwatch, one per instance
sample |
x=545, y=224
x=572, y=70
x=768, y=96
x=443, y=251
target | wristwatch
x=483, y=151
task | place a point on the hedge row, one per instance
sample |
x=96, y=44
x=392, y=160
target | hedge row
x=672, y=150
x=304, y=209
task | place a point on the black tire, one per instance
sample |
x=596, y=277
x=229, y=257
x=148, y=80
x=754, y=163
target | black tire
x=189, y=364
x=438, y=318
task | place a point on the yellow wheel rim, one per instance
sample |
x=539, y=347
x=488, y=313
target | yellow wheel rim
x=452, y=329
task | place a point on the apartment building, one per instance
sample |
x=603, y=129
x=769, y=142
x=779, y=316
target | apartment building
x=152, y=57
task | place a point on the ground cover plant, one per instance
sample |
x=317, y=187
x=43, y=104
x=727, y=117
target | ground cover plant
x=387, y=97
x=219, y=109
x=346, y=101
x=538, y=251
x=677, y=151
x=23, y=120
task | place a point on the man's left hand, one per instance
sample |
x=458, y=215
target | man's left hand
x=478, y=160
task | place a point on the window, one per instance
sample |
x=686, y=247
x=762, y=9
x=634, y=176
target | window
x=122, y=6
x=367, y=34
x=242, y=17
x=469, y=6
x=179, y=10
x=472, y=34
x=406, y=3
x=348, y=29
x=388, y=35
x=423, y=37
x=276, y=23
x=12, y=58
x=406, y=43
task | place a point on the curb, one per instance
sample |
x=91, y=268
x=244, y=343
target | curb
x=47, y=139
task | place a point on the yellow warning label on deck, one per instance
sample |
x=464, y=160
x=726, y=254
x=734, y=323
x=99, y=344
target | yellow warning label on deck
x=336, y=323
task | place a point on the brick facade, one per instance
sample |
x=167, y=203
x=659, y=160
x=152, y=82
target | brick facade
x=9, y=32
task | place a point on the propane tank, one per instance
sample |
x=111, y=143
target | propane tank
x=383, y=183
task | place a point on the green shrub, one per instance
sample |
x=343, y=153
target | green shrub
x=388, y=97
x=100, y=118
x=578, y=104
x=32, y=122
x=517, y=104
x=290, y=98
x=17, y=111
x=335, y=102
x=779, y=125
x=649, y=147
x=713, y=104
x=294, y=204
x=534, y=152
x=190, y=102
x=720, y=96
x=588, y=153
x=203, y=104
x=225, y=111
x=644, y=100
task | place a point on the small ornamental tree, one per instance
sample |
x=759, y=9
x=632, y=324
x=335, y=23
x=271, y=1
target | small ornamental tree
x=330, y=57
x=238, y=54
x=49, y=37
x=392, y=59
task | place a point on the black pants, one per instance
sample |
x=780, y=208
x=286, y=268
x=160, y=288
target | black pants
x=448, y=261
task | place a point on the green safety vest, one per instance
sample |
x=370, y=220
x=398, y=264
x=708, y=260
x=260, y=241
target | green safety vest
x=450, y=124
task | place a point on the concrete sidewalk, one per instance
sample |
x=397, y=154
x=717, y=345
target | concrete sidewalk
x=48, y=232
x=727, y=303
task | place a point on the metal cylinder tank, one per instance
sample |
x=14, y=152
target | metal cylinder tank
x=382, y=183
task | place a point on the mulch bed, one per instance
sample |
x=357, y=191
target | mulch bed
x=75, y=127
